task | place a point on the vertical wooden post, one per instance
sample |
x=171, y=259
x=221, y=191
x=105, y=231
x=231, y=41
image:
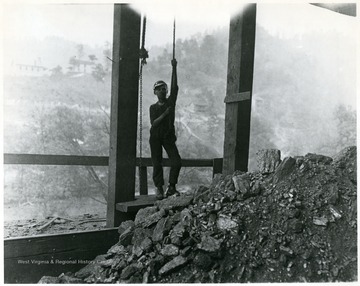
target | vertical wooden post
x=217, y=166
x=239, y=90
x=143, y=180
x=124, y=109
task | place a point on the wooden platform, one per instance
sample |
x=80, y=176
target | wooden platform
x=140, y=202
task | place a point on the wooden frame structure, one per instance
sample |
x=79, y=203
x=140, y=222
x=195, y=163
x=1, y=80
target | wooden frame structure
x=122, y=161
x=239, y=90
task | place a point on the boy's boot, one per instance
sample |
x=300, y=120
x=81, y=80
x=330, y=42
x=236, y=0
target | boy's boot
x=171, y=190
x=159, y=192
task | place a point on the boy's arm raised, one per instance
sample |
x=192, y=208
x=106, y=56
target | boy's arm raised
x=174, y=84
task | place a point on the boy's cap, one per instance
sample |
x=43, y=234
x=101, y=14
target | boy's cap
x=159, y=83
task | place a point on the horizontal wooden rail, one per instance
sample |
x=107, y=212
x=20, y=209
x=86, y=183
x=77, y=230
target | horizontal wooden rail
x=40, y=159
x=146, y=162
x=72, y=160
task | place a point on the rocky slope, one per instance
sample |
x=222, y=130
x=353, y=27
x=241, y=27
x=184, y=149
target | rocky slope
x=295, y=220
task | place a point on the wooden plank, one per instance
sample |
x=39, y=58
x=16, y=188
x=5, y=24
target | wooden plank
x=239, y=80
x=124, y=109
x=236, y=97
x=40, y=159
x=139, y=203
x=53, y=243
x=27, y=259
x=230, y=138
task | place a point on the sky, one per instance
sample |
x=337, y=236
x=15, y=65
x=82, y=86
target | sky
x=92, y=23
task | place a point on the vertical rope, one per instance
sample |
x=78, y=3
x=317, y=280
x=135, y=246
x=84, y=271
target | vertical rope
x=140, y=112
x=174, y=40
x=143, y=33
x=174, y=30
x=143, y=56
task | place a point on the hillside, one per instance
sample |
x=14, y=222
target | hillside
x=302, y=87
x=290, y=107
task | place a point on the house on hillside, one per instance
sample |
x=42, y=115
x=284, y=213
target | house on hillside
x=79, y=65
x=28, y=70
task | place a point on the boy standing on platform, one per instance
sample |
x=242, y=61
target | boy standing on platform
x=162, y=134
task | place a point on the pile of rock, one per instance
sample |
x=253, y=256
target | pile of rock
x=295, y=220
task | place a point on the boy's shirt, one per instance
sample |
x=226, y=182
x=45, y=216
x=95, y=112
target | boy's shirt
x=166, y=127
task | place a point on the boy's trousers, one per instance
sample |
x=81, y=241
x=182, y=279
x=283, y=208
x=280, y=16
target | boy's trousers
x=169, y=145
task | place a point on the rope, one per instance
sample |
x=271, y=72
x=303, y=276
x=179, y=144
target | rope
x=143, y=33
x=143, y=55
x=174, y=30
x=143, y=52
x=174, y=40
x=140, y=111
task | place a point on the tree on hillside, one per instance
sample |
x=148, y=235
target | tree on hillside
x=99, y=73
x=64, y=130
x=74, y=63
x=92, y=58
x=107, y=56
x=345, y=118
x=190, y=55
x=80, y=51
x=213, y=58
x=56, y=72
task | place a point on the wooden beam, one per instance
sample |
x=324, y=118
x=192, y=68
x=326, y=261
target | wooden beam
x=348, y=9
x=27, y=259
x=139, y=203
x=217, y=166
x=239, y=90
x=237, y=97
x=184, y=162
x=124, y=109
x=143, y=180
x=40, y=159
